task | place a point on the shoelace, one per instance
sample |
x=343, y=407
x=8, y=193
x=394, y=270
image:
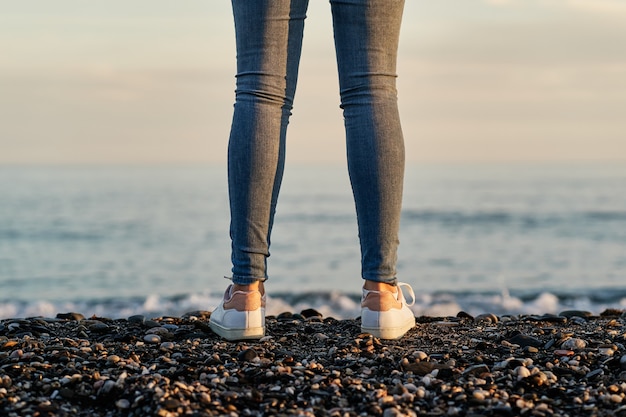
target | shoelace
x=409, y=289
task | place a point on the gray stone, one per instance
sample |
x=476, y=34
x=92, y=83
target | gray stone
x=152, y=338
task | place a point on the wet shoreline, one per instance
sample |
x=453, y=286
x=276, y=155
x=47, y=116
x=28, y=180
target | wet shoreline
x=573, y=363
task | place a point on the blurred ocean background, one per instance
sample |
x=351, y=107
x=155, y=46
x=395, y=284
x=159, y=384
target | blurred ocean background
x=120, y=240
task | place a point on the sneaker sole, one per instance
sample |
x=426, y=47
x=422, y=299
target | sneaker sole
x=237, y=334
x=388, y=333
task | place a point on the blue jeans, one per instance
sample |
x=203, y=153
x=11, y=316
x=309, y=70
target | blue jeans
x=269, y=41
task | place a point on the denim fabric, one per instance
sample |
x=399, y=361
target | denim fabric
x=269, y=41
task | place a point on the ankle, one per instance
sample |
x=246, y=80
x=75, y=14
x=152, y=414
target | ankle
x=379, y=286
x=255, y=286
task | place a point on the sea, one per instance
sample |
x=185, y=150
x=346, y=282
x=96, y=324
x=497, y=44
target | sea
x=114, y=241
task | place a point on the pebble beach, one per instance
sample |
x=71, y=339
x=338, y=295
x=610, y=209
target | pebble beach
x=569, y=364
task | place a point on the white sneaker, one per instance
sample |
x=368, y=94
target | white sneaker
x=385, y=314
x=240, y=315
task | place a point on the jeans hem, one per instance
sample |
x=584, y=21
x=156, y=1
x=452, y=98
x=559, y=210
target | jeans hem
x=247, y=280
x=392, y=281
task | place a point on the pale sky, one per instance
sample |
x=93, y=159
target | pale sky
x=152, y=81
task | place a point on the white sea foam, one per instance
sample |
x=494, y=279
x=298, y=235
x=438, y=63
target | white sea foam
x=545, y=303
x=332, y=304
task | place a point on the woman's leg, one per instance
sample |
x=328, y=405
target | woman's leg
x=269, y=41
x=366, y=43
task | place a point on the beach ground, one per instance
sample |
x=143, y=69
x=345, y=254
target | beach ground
x=569, y=364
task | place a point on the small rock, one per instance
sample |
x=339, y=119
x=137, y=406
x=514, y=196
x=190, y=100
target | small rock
x=419, y=368
x=247, y=355
x=152, y=338
x=310, y=312
x=205, y=398
x=286, y=316
x=106, y=387
x=464, y=315
x=171, y=404
x=66, y=393
x=70, y=316
x=524, y=340
x=9, y=344
x=152, y=323
x=122, y=404
x=530, y=349
x=165, y=346
x=574, y=344
x=479, y=395
x=99, y=328
x=522, y=372
x=550, y=318
x=137, y=319
x=113, y=359
x=575, y=313
x=476, y=370
x=594, y=374
x=392, y=412
x=486, y=318
x=445, y=323
x=161, y=331
x=578, y=320
x=321, y=336
x=606, y=351
x=5, y=381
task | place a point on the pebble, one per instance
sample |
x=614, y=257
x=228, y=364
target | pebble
x=161, y=331
x=310, y=312
x=122, y=404
x=113, y=359
x=151, y=323
x=167, y=346
x=574, y=344
x=99, y=328
x=523, y=340
x=464, y=315
x=152, y=338
x=247, y=355
x=137, y=319
x=606, y=351
x=487, y=318
x=594, y=374
x=522, y=372
x=70, y=316
x=576, y=313
x=445, y=323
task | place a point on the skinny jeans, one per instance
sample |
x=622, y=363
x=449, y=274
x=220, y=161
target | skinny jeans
x=269, y=42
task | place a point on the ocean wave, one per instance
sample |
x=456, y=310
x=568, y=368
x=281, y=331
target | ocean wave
x=503, y=217
x=609, y=216
x=330, y=304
